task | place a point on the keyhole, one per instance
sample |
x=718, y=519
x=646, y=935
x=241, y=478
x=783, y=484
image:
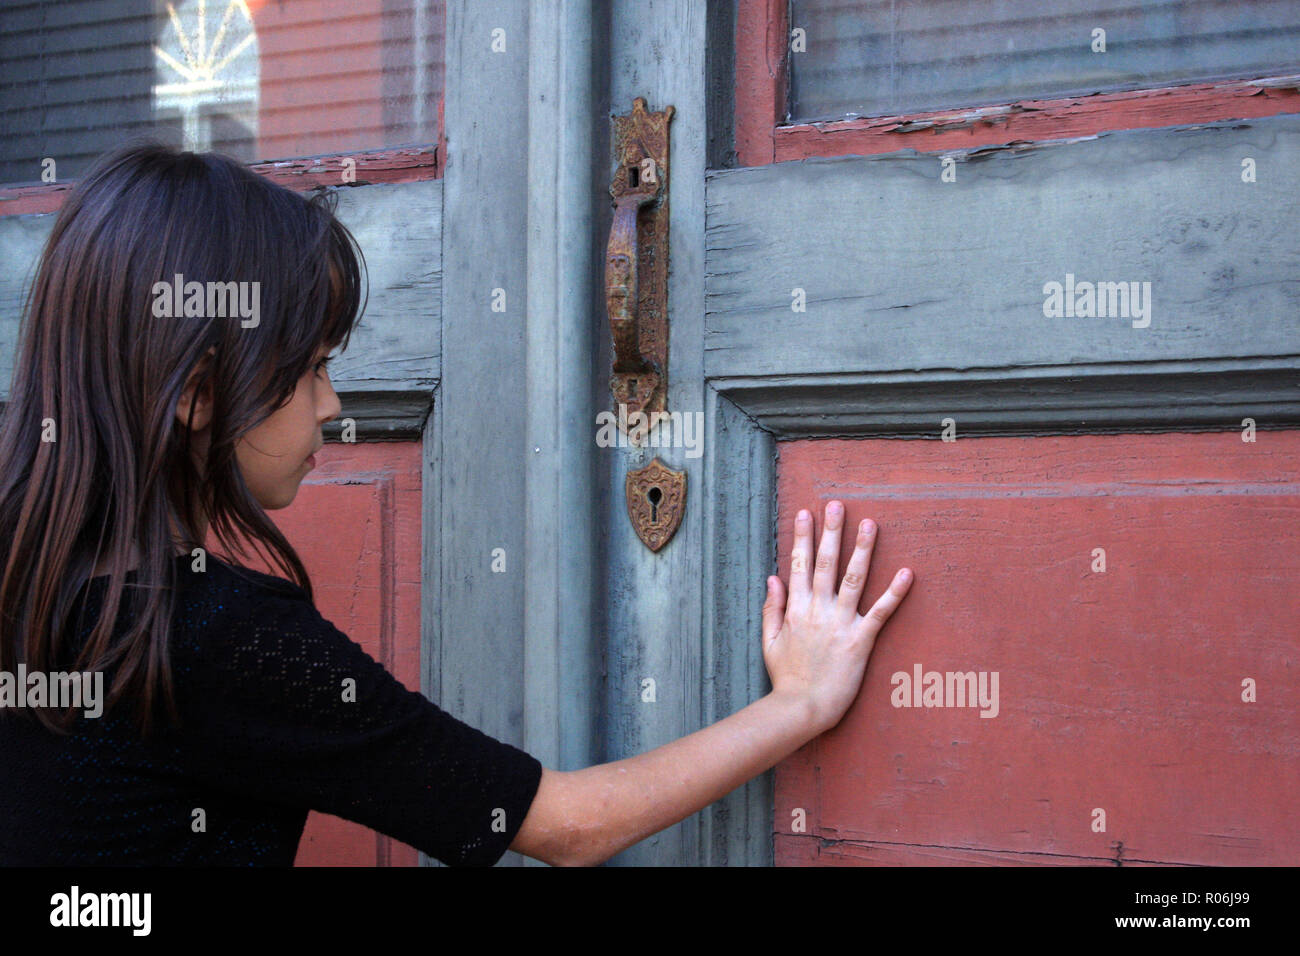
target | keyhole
x=631, y=385
x=633, y=176
x=654, y=494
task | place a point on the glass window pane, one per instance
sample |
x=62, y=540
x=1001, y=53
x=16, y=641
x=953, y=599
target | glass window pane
x=900, y=56
x=259, y=79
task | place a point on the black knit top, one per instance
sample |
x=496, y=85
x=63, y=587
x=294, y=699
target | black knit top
x=270, y=728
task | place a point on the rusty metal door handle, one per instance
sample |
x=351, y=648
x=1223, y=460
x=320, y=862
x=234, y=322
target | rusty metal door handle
x=621, y=287
x=636, y=263
x=636, y=300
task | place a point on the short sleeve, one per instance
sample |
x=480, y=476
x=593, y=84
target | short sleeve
x=279, y=705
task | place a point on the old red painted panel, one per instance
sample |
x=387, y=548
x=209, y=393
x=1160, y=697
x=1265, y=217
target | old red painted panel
x=1119, y=691
x=356, y=526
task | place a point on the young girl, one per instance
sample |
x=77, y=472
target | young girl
x=136, y=430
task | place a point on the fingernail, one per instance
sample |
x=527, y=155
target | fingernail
x=868, y=526
x=803, y=514
x=905, y=575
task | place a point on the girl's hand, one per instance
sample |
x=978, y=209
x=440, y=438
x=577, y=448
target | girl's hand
x=816, y=647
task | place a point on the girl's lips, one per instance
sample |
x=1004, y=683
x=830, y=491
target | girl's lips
x=311, y=461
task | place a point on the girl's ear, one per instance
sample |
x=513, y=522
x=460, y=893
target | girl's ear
x=199, y=399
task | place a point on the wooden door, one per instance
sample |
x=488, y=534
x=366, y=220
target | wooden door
x=843, y=294
x=865, y=307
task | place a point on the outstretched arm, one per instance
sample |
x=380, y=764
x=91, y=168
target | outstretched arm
x=816, y=649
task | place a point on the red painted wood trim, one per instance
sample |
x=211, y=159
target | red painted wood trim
x=762, y=63
x=47, y=197
x=762, y=58
x=1031, y=120
x=406, y=164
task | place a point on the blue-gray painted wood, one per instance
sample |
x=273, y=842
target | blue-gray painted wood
x=529, y=383
x=474, y=662
x=905, y=272
x=656, y=606
x=652, y=635
x=738, y=505
x=1213, y=395
x=562, y=512
x=392, y=363
x=21, y=240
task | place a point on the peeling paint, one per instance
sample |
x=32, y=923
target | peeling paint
x=1067, y=119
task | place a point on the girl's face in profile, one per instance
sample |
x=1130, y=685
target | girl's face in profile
x=275, y=456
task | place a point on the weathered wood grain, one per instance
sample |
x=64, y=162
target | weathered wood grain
x=561, y=511
x=475, y=619
x=903, y=272
x=654, y=601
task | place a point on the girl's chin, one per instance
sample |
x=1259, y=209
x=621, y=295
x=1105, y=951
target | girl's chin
x=281, y=500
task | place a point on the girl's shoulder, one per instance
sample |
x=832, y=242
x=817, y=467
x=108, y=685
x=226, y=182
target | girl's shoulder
x=222, y=575
x=219, y=594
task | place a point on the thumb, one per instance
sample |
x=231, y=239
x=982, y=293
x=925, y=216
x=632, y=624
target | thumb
x=773, y=609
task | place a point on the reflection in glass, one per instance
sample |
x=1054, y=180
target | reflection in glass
x=262, y=80
x=207, y=68
x=886, y=57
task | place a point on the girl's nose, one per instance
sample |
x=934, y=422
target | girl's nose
x=332, y=406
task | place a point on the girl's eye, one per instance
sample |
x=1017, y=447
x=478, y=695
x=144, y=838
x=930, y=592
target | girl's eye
x=320, y=366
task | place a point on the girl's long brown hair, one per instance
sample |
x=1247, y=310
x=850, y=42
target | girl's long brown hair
x=93, y=460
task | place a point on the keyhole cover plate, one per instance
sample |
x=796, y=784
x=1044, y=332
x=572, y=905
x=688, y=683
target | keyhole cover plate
x=655, y=522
